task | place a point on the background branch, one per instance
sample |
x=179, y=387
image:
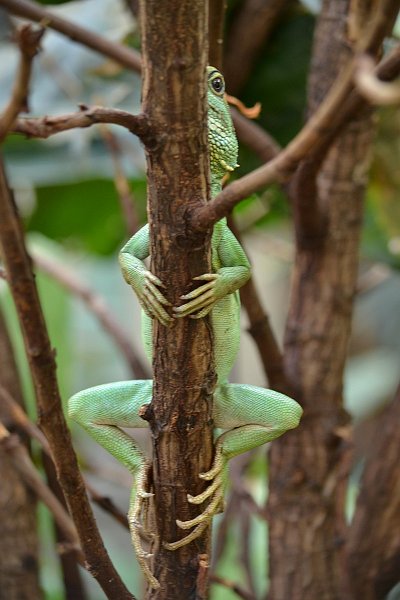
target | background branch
x=28, y=41
x=122, y=186
x=44, y=127
x=22, y=421
x=234, y=587
x=371, y=88
x=261, y=331
x=98, y=306
x=35, y=12
x=31, y=477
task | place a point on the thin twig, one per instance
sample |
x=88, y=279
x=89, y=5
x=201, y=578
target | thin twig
x=371, y=88
x=261, y=331
x=21, y=460
x=20, y=419
x=33, y=11
x=99, y=308
x=28, y=40
x=234, y=587
x=122, y=186
x=44, y=127
x=254, y=137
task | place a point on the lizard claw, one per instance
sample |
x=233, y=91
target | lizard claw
x=138, y=497
x=153, y=301
x=215, y=492
x=201, y=300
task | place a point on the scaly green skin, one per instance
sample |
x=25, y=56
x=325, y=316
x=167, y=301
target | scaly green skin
x=250, y=415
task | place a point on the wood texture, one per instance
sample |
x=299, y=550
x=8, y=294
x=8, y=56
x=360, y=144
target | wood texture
x=174, y=102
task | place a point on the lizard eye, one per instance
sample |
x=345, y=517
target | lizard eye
x=218, y=85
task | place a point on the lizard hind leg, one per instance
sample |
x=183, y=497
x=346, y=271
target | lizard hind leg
x=252, y=416
x=137, y=503
x=102, y=411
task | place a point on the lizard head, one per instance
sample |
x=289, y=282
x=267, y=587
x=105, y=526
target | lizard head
x=221, y=134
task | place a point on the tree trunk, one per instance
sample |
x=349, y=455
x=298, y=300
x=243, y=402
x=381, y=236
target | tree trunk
x=307, y=484
x=19, y=575
x=174, y=101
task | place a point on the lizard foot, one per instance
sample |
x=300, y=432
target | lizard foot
x=137, y=504
x=215, y=491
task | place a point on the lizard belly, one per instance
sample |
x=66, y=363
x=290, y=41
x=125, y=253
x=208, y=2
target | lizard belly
x=225, y=321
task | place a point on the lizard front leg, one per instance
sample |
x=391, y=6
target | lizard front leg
x=143, y=282
x=253, y=416
x=102, y=411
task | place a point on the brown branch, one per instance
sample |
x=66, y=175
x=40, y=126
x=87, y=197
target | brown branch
x=20, y=419
x=254, y=137
x=261, y=331
x=174, y=98
x=264, y=338
x=42, y=364
x=97, y=305
x=322, y=125
x=22, y=462
x=371, y=88
x=44, y=127
x=122, y=186
x=233, y=586
x=388, y=68
x=30, y=10
x=28, y=41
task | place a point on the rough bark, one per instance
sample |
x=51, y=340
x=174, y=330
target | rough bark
x=174, y=101
x=19, y=576
x=307, y=482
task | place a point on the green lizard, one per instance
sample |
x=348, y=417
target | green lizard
x=250, y=415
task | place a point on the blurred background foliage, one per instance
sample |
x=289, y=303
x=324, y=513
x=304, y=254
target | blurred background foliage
x=65, y=189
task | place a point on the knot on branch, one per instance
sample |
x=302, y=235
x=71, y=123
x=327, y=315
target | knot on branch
x=28, y=39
